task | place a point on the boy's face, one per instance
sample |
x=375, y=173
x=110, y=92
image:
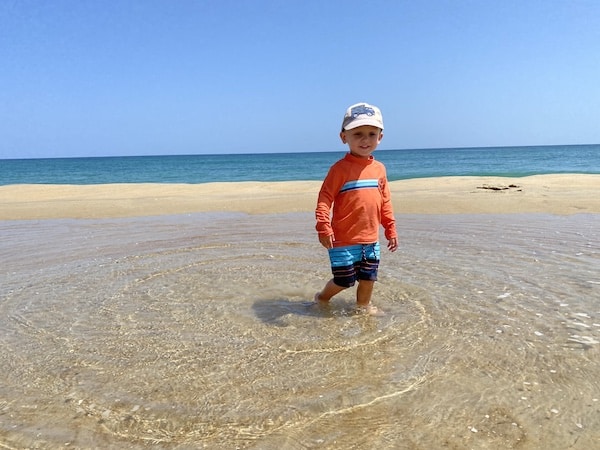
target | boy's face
x=362, y=140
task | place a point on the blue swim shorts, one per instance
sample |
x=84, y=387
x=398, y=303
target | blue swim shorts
x=354, y=262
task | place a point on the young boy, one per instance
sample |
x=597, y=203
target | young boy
x=357, y=188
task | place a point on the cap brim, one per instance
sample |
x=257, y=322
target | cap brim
x=359, y=122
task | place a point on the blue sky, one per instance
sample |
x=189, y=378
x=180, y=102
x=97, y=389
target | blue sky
x=93, y=78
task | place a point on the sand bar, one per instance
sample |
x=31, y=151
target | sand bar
x=557, y=194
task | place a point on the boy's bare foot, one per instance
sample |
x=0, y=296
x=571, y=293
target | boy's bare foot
x=368, y=310
x=318, y=299
x=322, y=306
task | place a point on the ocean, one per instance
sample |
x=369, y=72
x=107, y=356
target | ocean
x=400, y=164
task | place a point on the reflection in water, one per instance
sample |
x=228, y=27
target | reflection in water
x=198, y=331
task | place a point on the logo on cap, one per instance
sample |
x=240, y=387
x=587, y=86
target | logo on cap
x=362, y=109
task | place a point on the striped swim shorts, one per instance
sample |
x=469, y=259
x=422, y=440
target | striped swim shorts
x=354, y=262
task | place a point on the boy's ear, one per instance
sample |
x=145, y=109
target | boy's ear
x=380, y=136
x=343, y=136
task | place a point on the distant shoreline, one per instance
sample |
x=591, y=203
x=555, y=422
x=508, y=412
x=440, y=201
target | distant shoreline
x=509, y=162
x=239, y=153
x=556, y=194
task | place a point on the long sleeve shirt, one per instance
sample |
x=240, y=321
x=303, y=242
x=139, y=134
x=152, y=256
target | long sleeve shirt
x=358, y=190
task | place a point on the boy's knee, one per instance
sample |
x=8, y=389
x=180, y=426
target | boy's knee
x=344, y=282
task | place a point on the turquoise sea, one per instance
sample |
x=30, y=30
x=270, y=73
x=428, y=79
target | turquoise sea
x=401, y=164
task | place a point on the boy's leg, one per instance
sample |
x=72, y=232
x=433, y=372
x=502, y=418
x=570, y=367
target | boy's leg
x=328, y=291
x=342, y=267
x=364, y=293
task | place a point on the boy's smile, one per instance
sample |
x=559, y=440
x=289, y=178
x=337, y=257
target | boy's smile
x=362, y=140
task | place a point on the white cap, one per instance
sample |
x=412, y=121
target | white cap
x=362, y=114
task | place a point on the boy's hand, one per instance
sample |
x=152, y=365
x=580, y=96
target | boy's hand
x=393, y=244
x=326, y=241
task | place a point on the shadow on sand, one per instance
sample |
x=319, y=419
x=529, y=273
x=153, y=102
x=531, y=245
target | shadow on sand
x=272, y=311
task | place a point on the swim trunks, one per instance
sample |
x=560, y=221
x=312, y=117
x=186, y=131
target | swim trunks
x=354, y=262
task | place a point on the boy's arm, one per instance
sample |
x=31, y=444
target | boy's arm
x=323, y=212
x=323, y=216
x=387, y=217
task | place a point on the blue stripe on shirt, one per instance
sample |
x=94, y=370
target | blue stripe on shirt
x=360, y=184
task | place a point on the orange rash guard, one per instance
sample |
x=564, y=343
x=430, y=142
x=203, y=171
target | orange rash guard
x=359, y=192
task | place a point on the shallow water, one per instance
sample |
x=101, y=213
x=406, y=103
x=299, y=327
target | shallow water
x=197, y=331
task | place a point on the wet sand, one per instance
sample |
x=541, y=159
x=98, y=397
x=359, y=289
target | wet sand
x=557, y=194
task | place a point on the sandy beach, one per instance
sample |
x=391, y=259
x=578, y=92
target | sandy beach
x=562, y=194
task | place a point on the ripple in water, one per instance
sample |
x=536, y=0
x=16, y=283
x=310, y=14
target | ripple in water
x=198, y=331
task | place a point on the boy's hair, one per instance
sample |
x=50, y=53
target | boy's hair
x=361, y=114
